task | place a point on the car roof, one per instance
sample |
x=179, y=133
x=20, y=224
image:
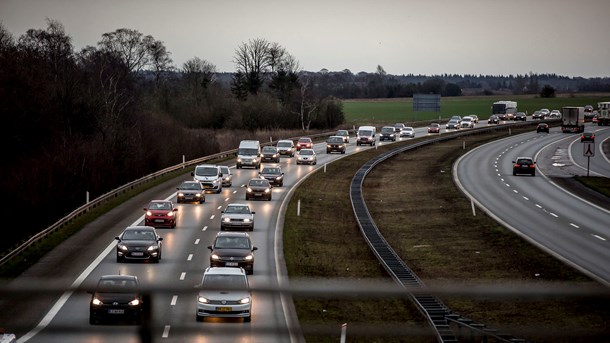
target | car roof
x=224, y=271
x=285, y=140
x=119, y=277
x=237, y=204
x=308, y=150
x=140, y=227
x=524, y=157
x=305, y=139
x=232, y=234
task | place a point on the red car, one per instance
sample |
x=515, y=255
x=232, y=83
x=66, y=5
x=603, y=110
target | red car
x=304, y=143
x=434, y=128
x=160, y=213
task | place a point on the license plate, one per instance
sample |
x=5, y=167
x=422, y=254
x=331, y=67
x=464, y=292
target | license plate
x=257, y=195
x=231, y=264
x=137, y=254
x=159, y=220
x=224, y=309
x=116, y=311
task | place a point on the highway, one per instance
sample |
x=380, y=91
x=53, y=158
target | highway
x=560, y=223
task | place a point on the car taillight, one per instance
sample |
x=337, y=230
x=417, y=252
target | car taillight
x=517, y=165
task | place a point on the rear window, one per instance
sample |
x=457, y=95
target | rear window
x=524, y=161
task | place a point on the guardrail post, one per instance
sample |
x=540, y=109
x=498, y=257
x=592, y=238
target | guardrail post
x=474, y=214
x=299, y=208
x=325, y=168
x=343, y=332
x=463, y=145
x=183, y=162
x=509, y=131
x=86, y=197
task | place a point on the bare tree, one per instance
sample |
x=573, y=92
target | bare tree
x=159, y=58
x=307, y=105
x=6, y=38
x=131, y=46
x=199, y=74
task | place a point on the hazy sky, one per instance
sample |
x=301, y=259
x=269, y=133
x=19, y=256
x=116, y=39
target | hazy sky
x=566, y=37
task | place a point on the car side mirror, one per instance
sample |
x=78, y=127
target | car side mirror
x=160, y=238
x=253, y=212
x=254, y=248
x=175, y=210
x=117, y=238
x=192, y=174
x=210, y=247
x=145, y=209
x=222, y=211
x=513, y=161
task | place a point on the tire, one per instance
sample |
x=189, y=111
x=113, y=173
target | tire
x=534, y=174
x=514, y=173
x=178, y=201
x=248, y=319
x=156, y=259
x=119, y=259
x=281, y=184
x=93, y=320
x=251, y=229
x=198, y=318
x=316, y=162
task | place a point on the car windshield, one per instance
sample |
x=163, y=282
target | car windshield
x=247, y=151
x=387, y=130
x=269, y=170
x=434, y=125
x=138, y=235
x=365, y=133
x=259, y=183
x=453, y=121
x=467, y=119
x=304, y=140
x=190, y=185
x=342, y=133
x=237, y=209
x=284, y=144
x=269, y=149
x=335, y=140
x=216, y=281
x=306, y=152
x=524, y=161
x=407, y=129
x=225, y=170
x=117, y=286
x=159, y=206
x=206, y=171
x=232, y=243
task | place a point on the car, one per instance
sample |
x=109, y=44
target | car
x=387, y=133
x=273, y=174
x=139, y=243
x=285, y=147
x=258, y=189
x=595, y=119
x=232, y=249
x=304, y=143
x=398, y=127
x=237, y=216
x=474, y=117
x=248, y=154
x=227, y=176
x=407, y=131
x=434, y=128
x=224, y=292
x=520, y=116
x=545, y=112
x=555, y=114
x=307, y=156
x=524, y=165
x=493, y=119
x=160, y=213
x=467, y=122
x=210, y=177
x=343, y=134
x=587, y=137
x=190, y=191
x=270, y=154
x=335, y=143
x=542, y=127
x=453, y=124
x=458, y=118
x=116, y=298
x=538, y=115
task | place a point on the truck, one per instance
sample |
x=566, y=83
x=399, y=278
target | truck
x=603, y=113
x=572, y=119
x=505, y=110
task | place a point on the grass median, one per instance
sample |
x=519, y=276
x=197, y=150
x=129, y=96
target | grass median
x=429, y=223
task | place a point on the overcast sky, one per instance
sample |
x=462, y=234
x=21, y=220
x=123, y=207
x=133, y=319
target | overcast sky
x=566, y=37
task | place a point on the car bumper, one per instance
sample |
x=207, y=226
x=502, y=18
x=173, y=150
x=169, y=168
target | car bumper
x=247, y=266
x=115, y=313
x=138, y=255
x=157, y=222
x=223, y=311
x=236, y=225
x=190, y=198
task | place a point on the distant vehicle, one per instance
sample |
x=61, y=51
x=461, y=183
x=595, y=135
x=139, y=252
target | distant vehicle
x=458, y=118
x=304, y=143
x=504, y=109
x=493, y=119
x=407, y=131
x=270, y=154
x=210, y=177
x=116, y=298
x=453, y=124
x=524, y=165
x=237, y=216
x=398, y=127
x=520, y=116
x=542, y=127
x=467, y=122
x=191, y=191
x=589, y=113
x=248, y=154
x=335, y=144
x=595, y=119
x=603, y=113
x=286, y=147
x=307, y=156
x=555, y=114
x=538, y=115
x=343, y=134
x=224, y=292
x=387, y=133
x=273, y=174
x=474, y=117
x=572, y=119
x=160, y=213
x=227, y=176
x=232, y=249
x=587, y=137
x=366, y=135
x=434, y=128
x=137, y=243
x=258, y=189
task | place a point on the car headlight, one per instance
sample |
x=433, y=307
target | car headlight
x=274, y=155
x=248, y=258
x=239, y=160
x=278, y=178
x=202, y=300
x=122, y=247
x=96, y=302
x=134, y=302
x=246, y=220
x=170, y=213
x=153, y=247
x=198, y=195
x=249, y=190
x=226, y=220
x=267, y=190
x=244, y=300
x=215, y=257
x=180, y=194
x=148, y=213
x=255, y=160
x=328, y=145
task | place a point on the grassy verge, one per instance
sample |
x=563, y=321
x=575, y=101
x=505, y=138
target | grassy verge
x=429, y=223
x=600, y=184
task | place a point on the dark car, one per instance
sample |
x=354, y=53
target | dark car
x=398, y=127
x=335, y=143
x=273, y=174
x=542, y=127
x=232, y=249
x=453, y=124
x=520, y=116
x=190, y=191
x=116, y=298
x=434, y=128
x=237, y=216
x=304, y=143
x=538, y=115
x=387, y=133
x=270, y=154
x=258, y=189
x=138, y=243
x=160, y=213
x=524, y=165
x=343, y=134
x=587, y=137
x=493, y=119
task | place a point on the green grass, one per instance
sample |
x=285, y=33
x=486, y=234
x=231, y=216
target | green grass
x=600, y=184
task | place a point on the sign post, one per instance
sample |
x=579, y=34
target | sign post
x=588, y=151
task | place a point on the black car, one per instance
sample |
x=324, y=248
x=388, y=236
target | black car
x=542, y=127
x=538, y=115
x=494, y=119
x=335, y=143
x=258, y=189
x=520, y=116
x=387, y=133
x=138, y=243
x=190, y=191
x=587, y=137
x=116, y=298
x=524, y=165
x=270, y=154
x=274, y=175
x=232, y=249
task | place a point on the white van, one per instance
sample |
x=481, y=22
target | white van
x=366, y=135
x=210, y=177
x=249, y=154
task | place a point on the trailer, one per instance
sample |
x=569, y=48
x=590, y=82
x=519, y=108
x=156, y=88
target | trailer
x=504, y=109
x=572, y=119
x=603, y=113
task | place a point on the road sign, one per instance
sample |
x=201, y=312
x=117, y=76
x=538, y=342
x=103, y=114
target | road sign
x=588, y=149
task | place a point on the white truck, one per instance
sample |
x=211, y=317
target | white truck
x=249, y=154
x=210, y=177
x=505, y=110
x=603, y=113
x=572, y=119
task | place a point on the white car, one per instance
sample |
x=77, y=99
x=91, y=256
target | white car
x=227, y=176
x=467, y=122
x=224, y=292
x=307, y=156
x=237, y=216
x=407, y=131
x=555, y=114
x=285, y=147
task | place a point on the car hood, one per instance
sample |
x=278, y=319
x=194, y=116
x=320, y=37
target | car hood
x=190, y=191
x=136, y=243
x=270, y=175
x=237, y=216
x=118, y=297
x=233, y=295
x=232, y=252
x=258, y=188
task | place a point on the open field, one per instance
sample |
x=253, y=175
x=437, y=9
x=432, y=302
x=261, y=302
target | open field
x=390, y=111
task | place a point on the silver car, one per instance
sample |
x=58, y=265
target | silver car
x=224, y=292
x=407, y=131
x=237, y=216
x=307, y=156
x=227, y=176
x=285, y=147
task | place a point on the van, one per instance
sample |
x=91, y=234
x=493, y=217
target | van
x=249, y=154
x=366, y=135
x=210, y=177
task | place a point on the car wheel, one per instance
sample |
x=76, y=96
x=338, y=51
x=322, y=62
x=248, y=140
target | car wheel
x=198, y=318
x=358, y=143
x=514, y=173
x=251, y=229
x=247, y=319
x=533, y=173
x=92, y=320
x=119, y=259
x=178, y=201
x=156, y=259
x=281, y=184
